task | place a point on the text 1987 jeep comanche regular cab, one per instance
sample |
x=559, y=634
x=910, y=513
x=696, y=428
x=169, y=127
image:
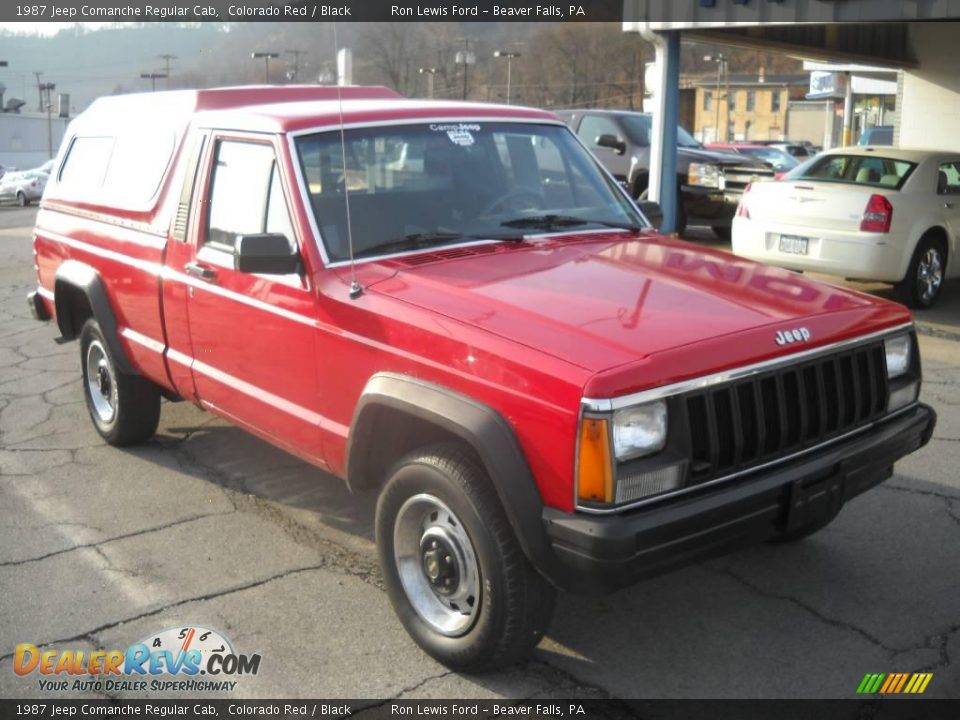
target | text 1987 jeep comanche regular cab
x=544, y=391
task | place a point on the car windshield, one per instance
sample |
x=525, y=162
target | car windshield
x=777, y=159
x=419, y=186
x=855, y=170
x=639, y=128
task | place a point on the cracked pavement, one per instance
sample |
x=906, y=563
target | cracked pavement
x=206, y=525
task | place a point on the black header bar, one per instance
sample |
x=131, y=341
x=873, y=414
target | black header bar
x=313, y=11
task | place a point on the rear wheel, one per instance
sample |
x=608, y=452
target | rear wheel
x=454, y=571
x=22, y=200
x=124, y=408
x=921, y=286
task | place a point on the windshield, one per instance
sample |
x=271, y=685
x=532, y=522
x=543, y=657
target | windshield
x=777, y=159
x=639, y=128
x=419, y=186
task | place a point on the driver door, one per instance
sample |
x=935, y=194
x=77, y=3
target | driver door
x=253, y=335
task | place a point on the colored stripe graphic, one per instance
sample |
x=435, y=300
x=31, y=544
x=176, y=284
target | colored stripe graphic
x=894, y=683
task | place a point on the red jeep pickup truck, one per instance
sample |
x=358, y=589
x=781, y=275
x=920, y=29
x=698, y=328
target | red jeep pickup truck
x=454, y=305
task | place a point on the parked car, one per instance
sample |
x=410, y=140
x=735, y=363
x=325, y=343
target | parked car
x=878, y=135
x=22, y=187
x=781, y=162
x=801, y=150
x=542, y=390
x=709, y=183
x=861, y=213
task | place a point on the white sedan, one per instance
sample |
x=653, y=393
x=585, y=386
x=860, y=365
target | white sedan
x=869, y=213
x=22, y=187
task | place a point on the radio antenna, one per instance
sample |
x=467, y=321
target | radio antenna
x=355, y=289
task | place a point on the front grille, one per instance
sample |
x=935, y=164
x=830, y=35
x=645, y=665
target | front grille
x=737, y=178
x=735, y=426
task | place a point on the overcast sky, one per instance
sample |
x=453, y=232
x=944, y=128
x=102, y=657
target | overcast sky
x=43, y=28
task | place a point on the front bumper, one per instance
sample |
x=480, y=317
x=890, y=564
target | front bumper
x=709, y=206
x=601, y=553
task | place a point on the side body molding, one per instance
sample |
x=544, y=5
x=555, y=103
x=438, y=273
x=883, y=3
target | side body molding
x=76, y=277
x=389, y=398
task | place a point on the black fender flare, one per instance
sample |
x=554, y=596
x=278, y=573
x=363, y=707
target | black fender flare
x=82, y=278
x=478, y=425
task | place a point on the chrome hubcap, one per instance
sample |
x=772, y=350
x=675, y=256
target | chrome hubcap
x=929, y=274
x=437, y=565
x=101, y=382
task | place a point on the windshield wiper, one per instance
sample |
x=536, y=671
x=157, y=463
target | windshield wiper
x=413, y=241
x=545, y=222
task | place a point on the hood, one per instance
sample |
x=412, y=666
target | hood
x=604, y=300
x=719, y=157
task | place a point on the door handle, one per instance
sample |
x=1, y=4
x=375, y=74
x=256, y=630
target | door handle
x=948, y=206
x=199, y=271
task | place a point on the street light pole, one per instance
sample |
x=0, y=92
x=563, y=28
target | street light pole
x=509, y=56
x=721, y=61
x=465, y=58
x=153, y=77
x=267, y=56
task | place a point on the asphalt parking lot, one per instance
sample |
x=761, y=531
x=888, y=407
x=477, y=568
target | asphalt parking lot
x=205, y=525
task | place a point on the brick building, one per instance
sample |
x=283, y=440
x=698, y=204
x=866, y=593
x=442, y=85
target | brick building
x=747, y=107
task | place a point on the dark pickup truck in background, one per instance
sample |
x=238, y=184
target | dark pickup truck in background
x=709, y=183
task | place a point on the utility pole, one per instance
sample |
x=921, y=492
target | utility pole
x=266, y=56
x=510, y=56
x=39, y=91
x=296, y=62
x=48, y=88
x=166, y=57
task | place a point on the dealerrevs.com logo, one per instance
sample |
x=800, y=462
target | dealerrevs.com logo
x=187, y=659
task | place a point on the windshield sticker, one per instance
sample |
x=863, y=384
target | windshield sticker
x=459, y=134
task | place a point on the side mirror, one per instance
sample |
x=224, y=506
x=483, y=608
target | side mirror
x=652, y=211
x=612, y=142
x=267, y=253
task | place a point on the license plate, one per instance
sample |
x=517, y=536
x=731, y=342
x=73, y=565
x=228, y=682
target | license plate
x=793, y=245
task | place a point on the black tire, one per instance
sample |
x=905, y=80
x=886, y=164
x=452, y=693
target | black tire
x=22, y=200
x=724, y=233
x=125, y=409
x=681, y=211
x=919, y=289
x=512, y=603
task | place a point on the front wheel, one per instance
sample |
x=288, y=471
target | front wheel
x=921, y=286
x=124, y=408
x=454, y=571
x=22, y=200
x=724, y=233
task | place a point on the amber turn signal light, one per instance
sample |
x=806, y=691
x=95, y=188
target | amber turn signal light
x=595, y=464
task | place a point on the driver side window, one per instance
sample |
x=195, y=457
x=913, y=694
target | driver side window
x=246, y=197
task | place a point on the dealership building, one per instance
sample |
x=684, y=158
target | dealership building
x=909, y=37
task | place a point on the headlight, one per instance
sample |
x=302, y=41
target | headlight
x=704, y=175
x=640, y=430
x=898, y=355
